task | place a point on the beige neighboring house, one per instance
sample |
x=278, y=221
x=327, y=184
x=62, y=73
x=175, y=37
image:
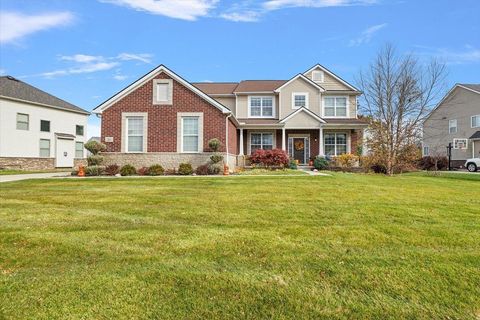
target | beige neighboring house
x=456, y=120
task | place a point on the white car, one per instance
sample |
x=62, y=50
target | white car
x=473, y=164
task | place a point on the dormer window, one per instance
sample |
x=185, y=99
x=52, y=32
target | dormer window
x=317, y=76
x=299, y=99
x=162, y=91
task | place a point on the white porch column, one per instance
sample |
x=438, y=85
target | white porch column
x=283, y=140
x=320, y=141
x=241, y=143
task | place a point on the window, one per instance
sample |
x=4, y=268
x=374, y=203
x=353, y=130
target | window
x=134, y=134
x=190, y=134
x=261, y=107
x=452, y=126
x=162, y=91
x=261, y=141
x=335, y=107
x=460, y=144
x=22, y=121
x=335, y=144
x=476, y=121
x=79, y=130
x=299, y=99
x=44, y=148
x=426, y=150
x=317, y=76
x=78, y=149
x=45, y=125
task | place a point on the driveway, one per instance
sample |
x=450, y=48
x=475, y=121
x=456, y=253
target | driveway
x=18, y=177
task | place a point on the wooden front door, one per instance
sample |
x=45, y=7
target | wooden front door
x=299, y=149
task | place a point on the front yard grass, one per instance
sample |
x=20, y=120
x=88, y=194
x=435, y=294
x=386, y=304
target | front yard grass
x=7, y=172
x=346, y=246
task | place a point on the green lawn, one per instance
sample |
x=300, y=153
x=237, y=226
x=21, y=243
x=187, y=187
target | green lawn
x=347, y=246
x=7, y=172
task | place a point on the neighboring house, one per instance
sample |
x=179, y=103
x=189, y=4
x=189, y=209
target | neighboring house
x=38, y=130
x=162, y=118
x=456, y=120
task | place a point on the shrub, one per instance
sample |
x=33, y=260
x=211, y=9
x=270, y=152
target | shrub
x=373, y=163
x=215, y=168
x=170, y=172
x=202, y=170
x=143, y=171
x=95, y=160
x=346, y=160
x=269, y=158
x=74, y=173
x=293, y=164
x=128, y=170
x=432, y=163
x=94, y=170
x=156, y=170
x=216, y=157
x=185, y=169
x=95, y=147
x=112, y=169
x=320, y=163
x=214, y=144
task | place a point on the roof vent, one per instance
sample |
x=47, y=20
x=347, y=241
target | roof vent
x=12, y=78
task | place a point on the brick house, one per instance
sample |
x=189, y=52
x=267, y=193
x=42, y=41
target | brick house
x=163, y=118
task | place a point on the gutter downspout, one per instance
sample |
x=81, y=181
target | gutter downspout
x=226, y=138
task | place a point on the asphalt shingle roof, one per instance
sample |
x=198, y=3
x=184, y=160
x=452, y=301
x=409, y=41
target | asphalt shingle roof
x=475, y=87
x=17, y=89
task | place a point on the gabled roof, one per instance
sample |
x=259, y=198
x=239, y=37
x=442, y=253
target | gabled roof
x=18, y=90
x=470, y=87
x=149, y=76
x=475, y=136
x=319, y=66
x=301, y=76
x=258, y=86
x=302, y=109
x=216, y=88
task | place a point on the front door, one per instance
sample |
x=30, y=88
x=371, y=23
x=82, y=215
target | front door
x=299, y=149
x=65, y=152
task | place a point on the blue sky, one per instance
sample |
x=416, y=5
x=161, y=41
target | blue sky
x=85, y=51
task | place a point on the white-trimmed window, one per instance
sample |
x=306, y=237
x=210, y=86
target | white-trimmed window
x=299, y=99
x=190, y=134
x=476, y=121
x=78, y=149
x=335, y=144
x=261, y=140
x=452, y=126
x=335, y=106
x=426, y=150
x=460, y=144
x=44, y=148
x=317, y=76
x=22, y=121
x=135, y=134
x=162, y=91
x=261, y=107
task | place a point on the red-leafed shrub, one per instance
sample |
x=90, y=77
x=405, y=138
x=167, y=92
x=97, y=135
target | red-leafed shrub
x=143, y=171
x=269, y=158
x=112, y=169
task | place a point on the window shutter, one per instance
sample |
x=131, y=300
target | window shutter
x=307, y=149
x=290, y=147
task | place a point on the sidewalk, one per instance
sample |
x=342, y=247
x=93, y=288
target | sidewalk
x=18, y=177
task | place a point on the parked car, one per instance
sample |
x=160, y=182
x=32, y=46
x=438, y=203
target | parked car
x=473, y=164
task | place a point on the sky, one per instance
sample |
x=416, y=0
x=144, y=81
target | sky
x=86, y=51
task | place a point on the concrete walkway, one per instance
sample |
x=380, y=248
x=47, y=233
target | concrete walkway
x=18, y=177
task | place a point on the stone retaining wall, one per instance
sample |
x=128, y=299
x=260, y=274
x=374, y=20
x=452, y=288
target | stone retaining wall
x=27, y=163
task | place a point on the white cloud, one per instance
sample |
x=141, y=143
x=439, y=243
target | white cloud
x=469, y=54
x=82, y=58
x=143, y=57
x=367, y=35
x=14, y=26
x=279, y=4
x=246, y=16
x=120, y=77
x=178, y=9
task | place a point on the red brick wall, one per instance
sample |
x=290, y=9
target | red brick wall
x=356, y=137
x=162, y=119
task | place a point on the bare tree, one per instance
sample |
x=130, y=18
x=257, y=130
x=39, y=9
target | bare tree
x=399, y=92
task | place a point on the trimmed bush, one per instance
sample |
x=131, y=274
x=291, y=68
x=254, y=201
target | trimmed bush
x=216, y=157
x=128, y=170
x=346, y=160
x=320, y=163
x=293, y=164
x=112, y=169
x=94, y=170
x=432, y=163
x=95, y=160
x=95, y=147
x=156, y=170
x=185, y=169
x=214, y=144
x=215, y=168
x=270, y=158
x=202, y=170
x=143, y=171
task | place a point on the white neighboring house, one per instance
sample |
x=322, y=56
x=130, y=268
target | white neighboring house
x=38, y=130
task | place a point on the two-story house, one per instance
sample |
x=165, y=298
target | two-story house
x=455, y=120
x=162, y=118
x=37, y=129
